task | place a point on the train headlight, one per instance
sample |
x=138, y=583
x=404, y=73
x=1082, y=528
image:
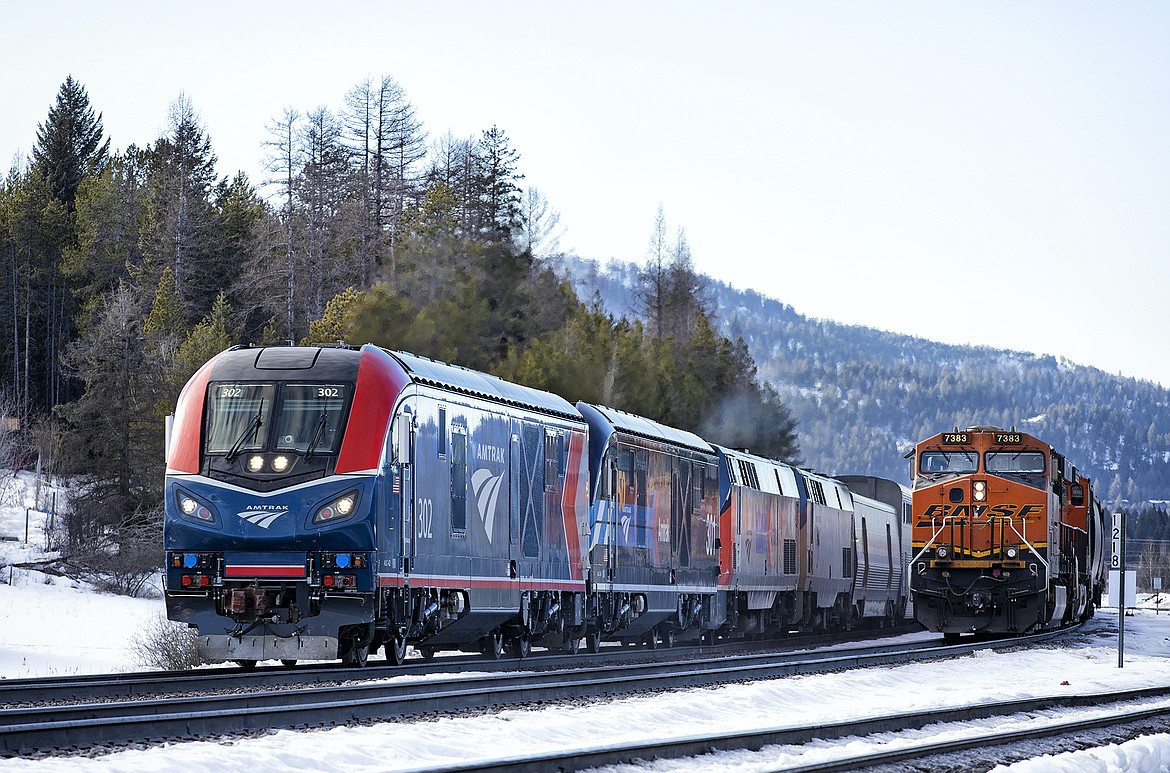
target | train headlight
x=192, y=508
x=942, y=551
x=339, y=509
x=979, y=490
x=255, y=463
x=280, y=463
x=1012, y=552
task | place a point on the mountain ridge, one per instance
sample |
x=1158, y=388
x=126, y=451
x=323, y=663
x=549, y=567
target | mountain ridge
x=862, y=397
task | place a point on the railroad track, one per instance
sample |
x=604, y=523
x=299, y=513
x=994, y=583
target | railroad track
x=74, y=725
x=135, y=684
x=1107, y=710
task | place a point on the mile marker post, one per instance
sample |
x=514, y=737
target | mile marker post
x=1117, y=562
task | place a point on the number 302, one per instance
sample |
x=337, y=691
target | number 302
x=424, y=518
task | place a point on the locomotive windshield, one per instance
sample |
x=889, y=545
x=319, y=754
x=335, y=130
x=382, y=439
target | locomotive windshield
x=948, y=462
x=310, y=416
x=237, y=417
x=1025, y=467
x=305, y=418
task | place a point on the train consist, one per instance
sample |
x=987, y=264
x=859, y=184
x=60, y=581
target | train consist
x=325, y=502
x=1008, y=537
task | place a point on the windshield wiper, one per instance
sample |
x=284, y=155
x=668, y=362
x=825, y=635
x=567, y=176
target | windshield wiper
x=321, y=423
x=249, y=431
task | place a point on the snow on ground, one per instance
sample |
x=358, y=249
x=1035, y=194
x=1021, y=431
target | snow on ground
x=53, y=626
x=59, y=627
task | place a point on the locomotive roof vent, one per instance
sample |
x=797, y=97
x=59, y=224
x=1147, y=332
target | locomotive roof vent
x=984, y=428
x=282, y=358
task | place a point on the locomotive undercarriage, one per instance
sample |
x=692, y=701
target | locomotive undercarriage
x=972, y=601
x=286, y=621
x=434, y=619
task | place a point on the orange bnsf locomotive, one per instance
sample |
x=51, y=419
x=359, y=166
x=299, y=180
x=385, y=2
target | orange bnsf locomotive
x=1007, y=535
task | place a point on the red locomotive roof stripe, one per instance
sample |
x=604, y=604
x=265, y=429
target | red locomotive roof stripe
x=380, y=380
x=264, y=571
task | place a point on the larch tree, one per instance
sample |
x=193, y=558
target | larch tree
x=284, y=163
x=651, y=291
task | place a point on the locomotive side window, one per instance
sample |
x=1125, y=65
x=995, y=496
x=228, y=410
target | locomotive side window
x=238, y=416
x=948, y=462
x=458, y=479
x=310, y=417
x=514, y=464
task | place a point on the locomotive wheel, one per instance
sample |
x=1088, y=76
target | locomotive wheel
x=652, y=640
x=247, y=665
x=356, y=656
x=288, y=662
x=668, y=637
x=492, y=645
x=572, y=645
x=396, y=650
x=428, y=653
x=593, y=641
x=521, y=646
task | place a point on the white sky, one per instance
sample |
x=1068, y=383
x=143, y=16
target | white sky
x=994, y=173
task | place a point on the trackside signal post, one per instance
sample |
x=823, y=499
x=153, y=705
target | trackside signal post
x=1117, y=564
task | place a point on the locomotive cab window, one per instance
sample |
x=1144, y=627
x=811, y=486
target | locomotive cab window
x=238, y=416
x=1025, y=467
x=948, y=462
x=310, y=417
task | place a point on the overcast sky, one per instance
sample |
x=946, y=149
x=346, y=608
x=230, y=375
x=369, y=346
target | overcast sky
x=990, y=173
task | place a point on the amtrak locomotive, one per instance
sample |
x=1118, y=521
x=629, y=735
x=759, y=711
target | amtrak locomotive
x=328, y=502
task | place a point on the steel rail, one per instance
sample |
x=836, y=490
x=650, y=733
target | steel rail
x=136, y=684
x=28, y=730
x=755, y=741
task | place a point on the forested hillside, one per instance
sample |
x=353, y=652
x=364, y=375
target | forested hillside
x=124, y=270
x=862, y=397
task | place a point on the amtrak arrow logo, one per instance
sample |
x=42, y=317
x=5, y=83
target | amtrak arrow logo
x=486, y=488
x=263, y=516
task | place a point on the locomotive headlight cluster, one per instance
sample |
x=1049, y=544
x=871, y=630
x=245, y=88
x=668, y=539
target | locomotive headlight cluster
x=339, y=509
x=979, y=490
x=1012, y=552
x=258, y=462
x=192, y=508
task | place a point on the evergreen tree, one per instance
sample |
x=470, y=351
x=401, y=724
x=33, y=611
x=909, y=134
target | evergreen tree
x=182, y=217
x=113, y=440
x=69, y=143
x=496, y=178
